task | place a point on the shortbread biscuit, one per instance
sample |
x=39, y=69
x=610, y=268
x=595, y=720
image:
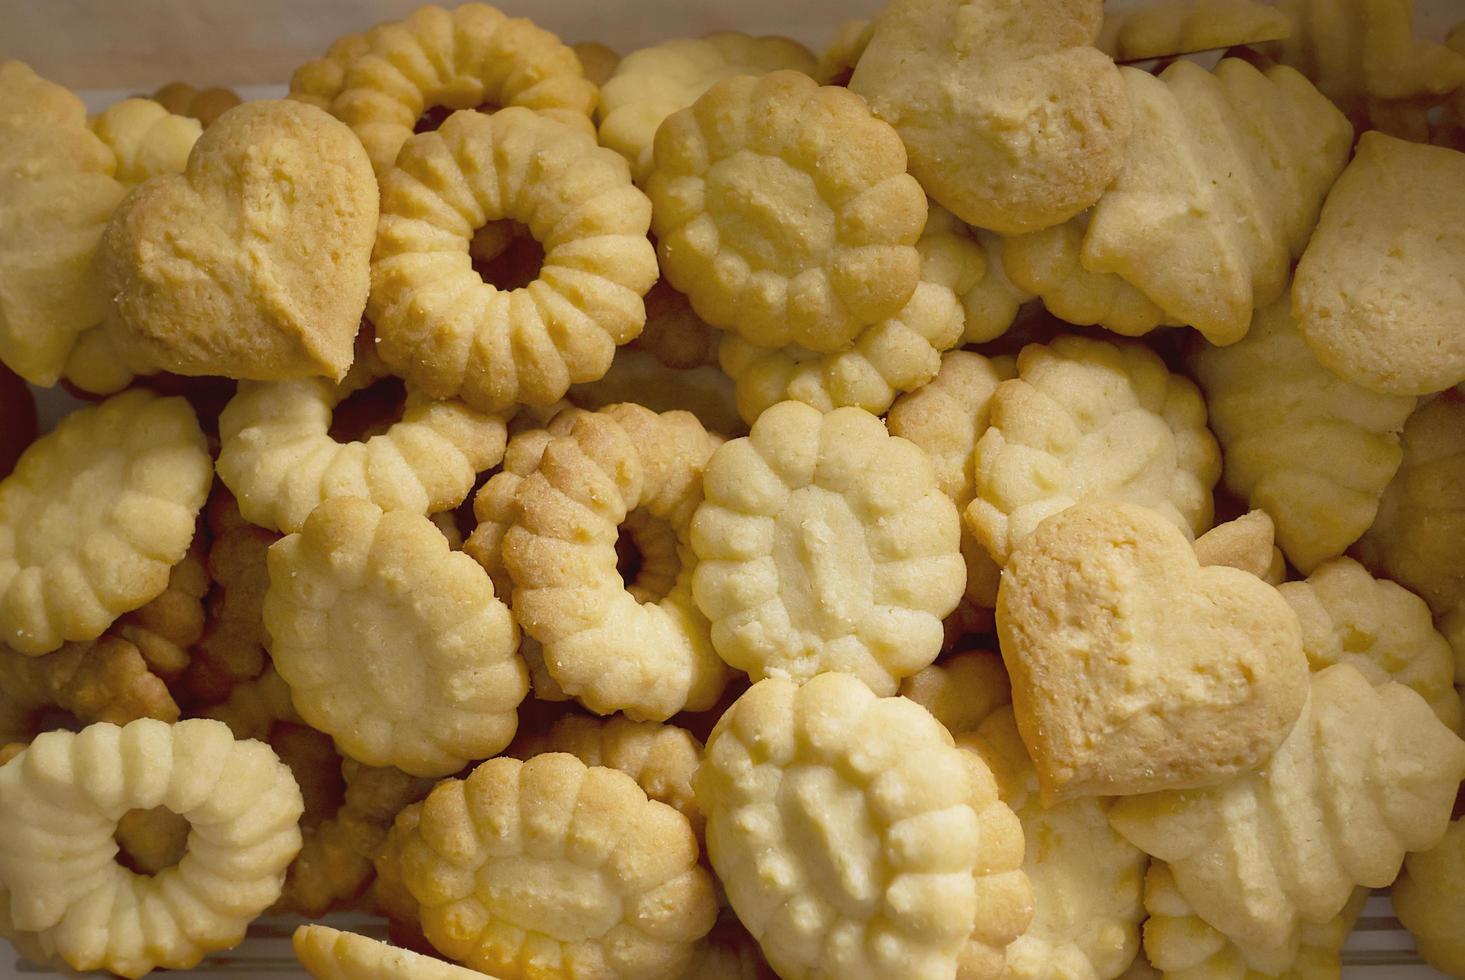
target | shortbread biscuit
x=1429, y=898
x=280, y=460
x=1013, y=121
x=95, y=515
x=784, y=212
x=56, y=193
x=652, y=83
x=674, y=333
x=1312, y=450
x=1185, y=947
x=451, y=333
x=825, y=543
x=1087, y=880
x=205, y=268
x=328, y=954
x=461, y=58
x=961, y=690
x=855, y=840
x=1377, y=294
x=146, y=139
x=946, y=418
x=1245, y=543
x=1415, y=539
x=1365, y=775
x=638, y=376
x=648, y=653
x=898, y=354
x=549, y=868
x=597, y=61
x=203, y=104
x=391, y=642
x=18, y=409
x=320, y=80
x=837, y=61
x=167, y=627
x=1133, y=667
x=1219, y=191
x=1086, y=420
x=1382, y=629
x=60, y=801
x=1175, y=27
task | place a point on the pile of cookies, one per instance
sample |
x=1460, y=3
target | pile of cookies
x=729, y=511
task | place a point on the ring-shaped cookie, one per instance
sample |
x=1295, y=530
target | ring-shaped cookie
x=280, y=460
x=445, y=329
x=61, y=800
x=612, y=648
x=461, y=58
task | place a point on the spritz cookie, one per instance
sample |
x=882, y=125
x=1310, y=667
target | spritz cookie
x=784, y=212
x=549, y=868
x=1430, y=901
x=391, y=642
x=329, y=954
x=855, y=840
x=146, y=138
x=1245, y=543
x=961, y=690
x=1175, y=27
x=451, y=333
x=824, y=543
x=94, y=517
x=203, y=104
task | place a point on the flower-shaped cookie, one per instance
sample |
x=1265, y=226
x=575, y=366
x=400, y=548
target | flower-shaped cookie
x=674, y=333
x=960, y=691
x=837, y=61
x=898, y=354
x=1429, y=898
x=784, y=211
x=855, y=840
x=946, y=418
x=1378, y=627
x=61, y=800
x=56, y=193
x=1012, y=120
x=597, y=61
x=1089, y=420
x=328, y=954
x=1312, y=450
x=1186, y=947
x=639, y=376
x=1174, y=27
x=95, y=515
x=203, y=104
x=146, y=138
x=1415, y=539
x=549, y=868
x=646, y=652
x=453, y=334
x=1377, y=294
x=825, y=543
x=458, y=59
x=1087, y=880
x=392, y=643
x=652, y=83
x=280, y=460
x=1365, y=775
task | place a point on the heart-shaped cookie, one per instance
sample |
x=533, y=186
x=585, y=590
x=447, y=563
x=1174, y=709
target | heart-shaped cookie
x=255, y=261
x=1133, y=667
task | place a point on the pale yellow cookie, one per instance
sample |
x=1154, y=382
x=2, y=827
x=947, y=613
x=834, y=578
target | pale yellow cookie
x=855, y=840
x=1377, y=294
x=639, y=376
x=650, y=84
x=837, y=61
x=1415, y=539
x=551, y=869
x=328, y=954
x=1014, y=122
x=824, y=543
x=1087, y=880
x=1245, y=543
x=1429, y=898
x=280, y=460
x=392, y=643
x=1086, y=420
x=146, y=138
x=1312, y=450
x=461, y=58
x=1185, y=947
x=1134, y=668
x=61, y=800
x=784, y=212
x=1365, y=775
x=597, y=61
x=56, y=193
x=1220, y=188
x=946, y=418
x=1174, y=27
x=961, y=690
x=253, y=262
x=441, y=326
x=94, y=517
x=1380, y=628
